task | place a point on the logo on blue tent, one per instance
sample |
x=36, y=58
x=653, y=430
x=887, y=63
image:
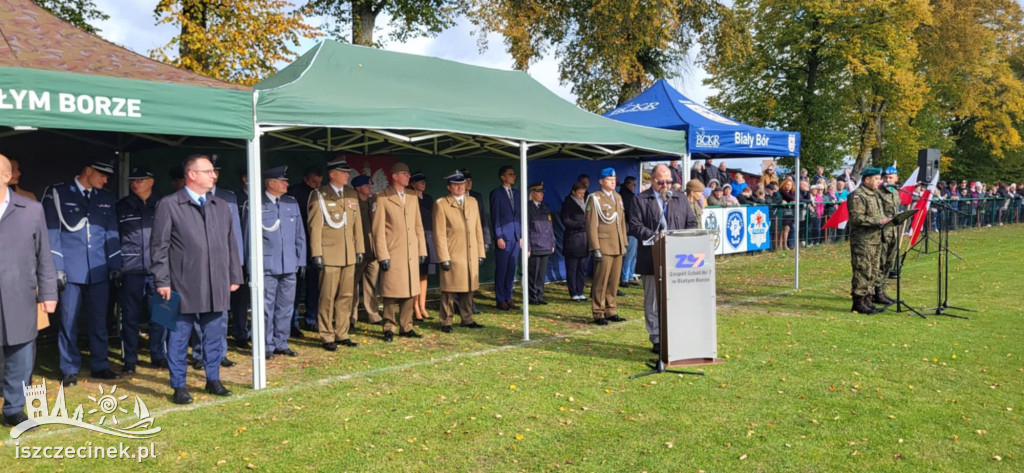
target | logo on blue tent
x=704, y=140
x=792, y=142
x=735, y=228
x=634, y=107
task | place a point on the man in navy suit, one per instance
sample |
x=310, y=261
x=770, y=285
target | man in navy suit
x=508, y=234
x=81, y=219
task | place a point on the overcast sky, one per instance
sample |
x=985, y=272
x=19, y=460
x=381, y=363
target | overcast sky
x=133, y=25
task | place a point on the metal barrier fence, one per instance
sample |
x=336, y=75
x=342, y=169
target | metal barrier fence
x=964, y=213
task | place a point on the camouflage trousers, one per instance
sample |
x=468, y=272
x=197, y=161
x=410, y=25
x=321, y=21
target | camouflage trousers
x=889, y=254
x=865, y=258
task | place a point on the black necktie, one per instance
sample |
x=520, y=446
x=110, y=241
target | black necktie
x=88, y=195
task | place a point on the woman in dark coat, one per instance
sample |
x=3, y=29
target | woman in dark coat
x=574, y=241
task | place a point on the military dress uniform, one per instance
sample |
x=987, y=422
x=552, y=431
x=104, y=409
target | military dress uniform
x=135, y=224
x=400, y=247
x=82, y=227
x=890, y=200
x=606, y=234
x=367, y=271
x=865, y=225
x=459, y=241
x=336, y=236
x=284, y=252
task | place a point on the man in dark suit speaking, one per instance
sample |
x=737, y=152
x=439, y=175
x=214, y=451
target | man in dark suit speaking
x=195, y=253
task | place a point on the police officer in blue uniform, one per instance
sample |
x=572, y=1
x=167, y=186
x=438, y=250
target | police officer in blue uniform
x=284, y=255
x=135, y=224
x=241, y=327
x=81, y=219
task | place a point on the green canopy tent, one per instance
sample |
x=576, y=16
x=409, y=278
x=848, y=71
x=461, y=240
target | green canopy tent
x=352, y=99
x=58, y=80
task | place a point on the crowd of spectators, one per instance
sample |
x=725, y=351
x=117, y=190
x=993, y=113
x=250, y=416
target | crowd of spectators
x=970, y=204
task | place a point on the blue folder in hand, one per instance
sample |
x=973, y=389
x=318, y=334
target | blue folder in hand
x=164, y=312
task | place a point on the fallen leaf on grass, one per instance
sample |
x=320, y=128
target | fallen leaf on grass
x=250, y=466
x=743, y=457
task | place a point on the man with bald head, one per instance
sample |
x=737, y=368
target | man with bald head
x=654, y=211
x=28, y=279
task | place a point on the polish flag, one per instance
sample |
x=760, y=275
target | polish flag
x=922, y=205
x=907, y=191
x=842, y=215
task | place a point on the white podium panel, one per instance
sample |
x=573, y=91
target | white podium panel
x=689, y=332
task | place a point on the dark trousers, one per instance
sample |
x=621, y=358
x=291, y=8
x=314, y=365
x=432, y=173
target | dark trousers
x=537, y=268
x=278, y=297
x=18, y=361
x=240, y=313
x=212, y=333
x=505, y=271
x=308, y=290
x=576, y=274
x=89, y=301
x=137, y=291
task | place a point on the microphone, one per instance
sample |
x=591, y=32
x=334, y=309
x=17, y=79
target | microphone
x=668, y=195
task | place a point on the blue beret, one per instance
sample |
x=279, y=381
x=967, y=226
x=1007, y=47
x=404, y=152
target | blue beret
x=871, y=172
x=360, y=180
x=139, y=173
x=891, y=171
x=276, y=173
x=607, y=172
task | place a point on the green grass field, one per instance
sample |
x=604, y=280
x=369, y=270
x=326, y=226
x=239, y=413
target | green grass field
x=806, y=386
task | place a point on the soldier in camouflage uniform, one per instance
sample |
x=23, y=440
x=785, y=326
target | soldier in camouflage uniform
x=865, y=224
x=889, y=195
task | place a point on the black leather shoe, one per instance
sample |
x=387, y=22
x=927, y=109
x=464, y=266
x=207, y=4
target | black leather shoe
x=17, y=418
x=198, y=364
x=269, y=356
x=159, y=364
x=473, y=325
x=243, y=344
x=348, y=343
x=619, y=293
x=214, y=387
x=104, y=374
x=181, y=396
x=389, y=336
x=296, y=333
x=656, y=348
x=330, y=346
x=128, y=369
x=410, y=334
x=615, y=318
x=286, y=351
x=226, y=363
x=446, y=328
x=475, y=310
x=600, y=322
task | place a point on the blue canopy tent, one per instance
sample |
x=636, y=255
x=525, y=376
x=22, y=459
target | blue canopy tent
x=709, y=134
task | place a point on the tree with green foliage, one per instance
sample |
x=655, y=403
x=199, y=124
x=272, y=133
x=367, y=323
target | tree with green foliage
x=409, y=18
x=77, y=12
x=239, y=41
x=609, y=50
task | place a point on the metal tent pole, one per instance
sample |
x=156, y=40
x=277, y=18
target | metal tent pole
x=523, y=257
x=796, y=226
x=255, y=228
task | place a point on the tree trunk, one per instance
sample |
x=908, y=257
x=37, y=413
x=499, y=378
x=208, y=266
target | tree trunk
x=364, y=15
x=195, y=13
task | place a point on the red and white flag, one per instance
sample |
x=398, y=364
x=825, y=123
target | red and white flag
x=842, y=215
x=922, y=205
x=907, y=191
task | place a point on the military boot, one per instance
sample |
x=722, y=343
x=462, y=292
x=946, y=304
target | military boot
x=862, y=305
x=882, y=298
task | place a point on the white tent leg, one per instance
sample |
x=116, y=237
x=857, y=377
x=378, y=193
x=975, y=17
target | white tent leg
x=255, y=228
x=524, y=259
x=796, y=226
